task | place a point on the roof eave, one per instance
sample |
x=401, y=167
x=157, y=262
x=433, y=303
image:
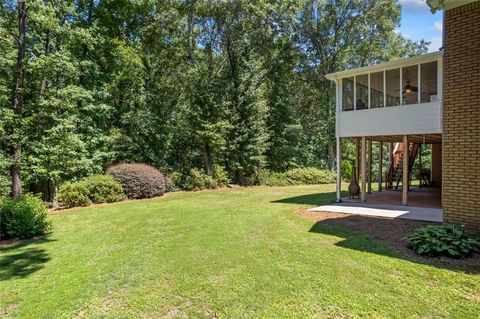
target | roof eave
x=436, y=5
x=388, y=65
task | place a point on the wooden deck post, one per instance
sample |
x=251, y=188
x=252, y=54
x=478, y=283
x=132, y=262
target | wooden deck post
x=357, y=164
x=339, y=170
x=380, y=166
x=363, y=193
x=370, y=166
x=405, y=172
x=420, y=168
x=390, y=157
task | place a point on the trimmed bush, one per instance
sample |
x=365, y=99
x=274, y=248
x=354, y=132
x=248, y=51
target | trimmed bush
x=268, y=178
x=448, y=240
x=138, y=180
x=310, y=175
x=23, y=218
x=173, y=181
x=93, y=189
x=220, y=175
x=296, y=176
x=74, y=194
x=104, y=189
x=198, y=180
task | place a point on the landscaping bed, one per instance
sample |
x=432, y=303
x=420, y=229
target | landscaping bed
x=392, y=232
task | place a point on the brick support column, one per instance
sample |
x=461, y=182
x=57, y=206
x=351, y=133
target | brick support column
x=461, y=116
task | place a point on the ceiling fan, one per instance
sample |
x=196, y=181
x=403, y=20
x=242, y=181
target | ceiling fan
x=408, y=88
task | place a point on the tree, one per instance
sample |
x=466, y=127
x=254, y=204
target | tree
x=178, y=84
x=335, y=35
x=17, y=104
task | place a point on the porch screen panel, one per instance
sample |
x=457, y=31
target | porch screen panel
x=347, y=94
x=392, y=78
x=376, y=89
x=362, y=91
x=410, y=85
x=429, y=78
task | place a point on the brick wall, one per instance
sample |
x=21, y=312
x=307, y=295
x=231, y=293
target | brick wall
x=461, y=116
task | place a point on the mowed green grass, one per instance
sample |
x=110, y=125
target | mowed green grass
x=227, y=254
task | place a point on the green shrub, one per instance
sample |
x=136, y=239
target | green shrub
x=449, y=240
x=74, y=194
x=23, y=218
x=268, y=178
x=296, y=176
x=347, y=168
x=173, y=181
x=139, y=180
x=220, y=175
x=103, y=189
x=310, y=175
x=198, y=180
x=93, y=189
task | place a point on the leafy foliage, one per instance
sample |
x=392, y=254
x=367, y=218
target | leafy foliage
x=138, y=180
x=197, y=180
x=23, y=218
x=449, y=240
x=296, y=176
x=74, y=194
x=94, y=189
x=173, y=182
x=103, y=189
x=181, y=85
x=220, y=175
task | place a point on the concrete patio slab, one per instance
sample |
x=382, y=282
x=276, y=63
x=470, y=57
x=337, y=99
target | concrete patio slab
x=417, y=197
x=390, y=211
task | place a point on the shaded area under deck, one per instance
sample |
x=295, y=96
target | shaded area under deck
x=424, y=205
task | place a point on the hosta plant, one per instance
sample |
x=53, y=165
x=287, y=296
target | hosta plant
x=449, y=240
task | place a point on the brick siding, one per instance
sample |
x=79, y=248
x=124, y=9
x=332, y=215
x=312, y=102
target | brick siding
x=461, y=116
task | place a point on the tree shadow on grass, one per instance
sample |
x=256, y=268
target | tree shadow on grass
x=21, y=259
x=385, y=237
x=311, y=199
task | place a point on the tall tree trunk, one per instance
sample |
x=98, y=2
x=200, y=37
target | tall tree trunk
x=44, y=82
x=15, y=171
x=54, y=196
x=18, y=102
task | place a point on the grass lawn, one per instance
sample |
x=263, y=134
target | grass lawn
x=225, y=253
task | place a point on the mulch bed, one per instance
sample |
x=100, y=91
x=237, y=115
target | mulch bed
x=392, y=233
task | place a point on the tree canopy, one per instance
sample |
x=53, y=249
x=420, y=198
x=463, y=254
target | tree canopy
x=178, y=84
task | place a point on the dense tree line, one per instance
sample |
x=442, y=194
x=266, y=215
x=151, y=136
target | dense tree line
x=178, y=84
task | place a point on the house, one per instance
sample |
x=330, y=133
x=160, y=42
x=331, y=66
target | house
x=432, y=99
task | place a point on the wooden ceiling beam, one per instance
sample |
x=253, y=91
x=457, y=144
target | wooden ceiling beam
x=415, y=138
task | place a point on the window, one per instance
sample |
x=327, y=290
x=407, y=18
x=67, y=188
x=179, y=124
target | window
x=347, y=94
x=376, y=89
x=362, y=91
x=410, y=85
x=407, y=85
x=428, y=80
x=392, y=78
